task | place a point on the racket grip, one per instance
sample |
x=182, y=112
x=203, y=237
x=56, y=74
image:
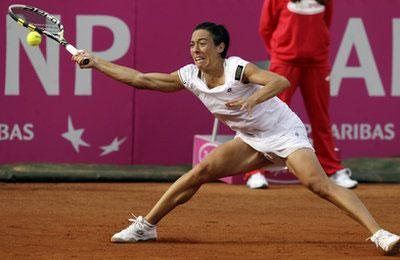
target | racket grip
x=71, y=49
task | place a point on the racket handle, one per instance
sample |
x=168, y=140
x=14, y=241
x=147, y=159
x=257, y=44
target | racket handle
x=71, y=49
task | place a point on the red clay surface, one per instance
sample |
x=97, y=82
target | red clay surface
x=76, y=220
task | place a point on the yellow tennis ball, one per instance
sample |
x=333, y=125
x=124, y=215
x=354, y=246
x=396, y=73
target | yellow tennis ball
x=34, y=38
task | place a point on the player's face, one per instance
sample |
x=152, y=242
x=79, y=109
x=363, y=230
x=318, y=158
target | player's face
x=203, y=50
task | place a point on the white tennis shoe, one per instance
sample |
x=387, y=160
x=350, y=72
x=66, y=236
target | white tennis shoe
x=388, y=242
x=342, y=178
x=257, y=181
x=139, y=230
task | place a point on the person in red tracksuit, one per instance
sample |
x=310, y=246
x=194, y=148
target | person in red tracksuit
x=296, y=34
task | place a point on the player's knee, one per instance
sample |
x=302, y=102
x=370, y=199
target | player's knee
x=320, y=187
x=202, y=173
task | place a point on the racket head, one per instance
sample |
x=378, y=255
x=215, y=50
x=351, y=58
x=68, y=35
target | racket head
x=38, y=20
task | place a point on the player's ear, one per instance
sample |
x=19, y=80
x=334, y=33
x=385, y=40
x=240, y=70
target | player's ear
x=221, y=47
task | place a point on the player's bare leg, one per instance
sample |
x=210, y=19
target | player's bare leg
x=304, y=164
x=228, y=159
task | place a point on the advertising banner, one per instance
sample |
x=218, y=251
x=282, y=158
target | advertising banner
x=52, y=111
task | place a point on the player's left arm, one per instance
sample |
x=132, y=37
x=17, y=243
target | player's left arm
x=272, y=82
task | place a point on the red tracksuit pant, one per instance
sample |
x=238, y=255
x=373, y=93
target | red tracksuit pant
x=314, y=88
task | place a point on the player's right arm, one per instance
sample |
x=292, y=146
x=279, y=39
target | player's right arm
x=152, y=81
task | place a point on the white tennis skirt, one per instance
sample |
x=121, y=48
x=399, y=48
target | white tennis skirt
x=281, y=145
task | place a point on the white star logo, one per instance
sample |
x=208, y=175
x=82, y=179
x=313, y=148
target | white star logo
x=113, y=147
x=74, y=135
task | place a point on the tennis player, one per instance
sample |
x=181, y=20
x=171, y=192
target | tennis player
x=244, y=97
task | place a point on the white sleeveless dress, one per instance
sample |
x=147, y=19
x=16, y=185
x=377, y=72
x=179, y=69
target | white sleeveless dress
x=273, y=128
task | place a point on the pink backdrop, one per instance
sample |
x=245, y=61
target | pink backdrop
x=112, y=123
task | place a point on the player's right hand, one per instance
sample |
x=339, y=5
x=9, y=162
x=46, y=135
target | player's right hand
x=80, y=56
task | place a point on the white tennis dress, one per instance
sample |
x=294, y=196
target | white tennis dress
x=273, y=128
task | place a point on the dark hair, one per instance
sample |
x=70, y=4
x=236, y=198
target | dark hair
x=321, y=2
x=219, y=33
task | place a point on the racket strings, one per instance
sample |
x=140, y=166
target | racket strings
x=48, y=27
x=37, y=20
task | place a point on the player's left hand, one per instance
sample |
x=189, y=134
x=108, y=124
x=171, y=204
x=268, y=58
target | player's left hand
x=242, y=104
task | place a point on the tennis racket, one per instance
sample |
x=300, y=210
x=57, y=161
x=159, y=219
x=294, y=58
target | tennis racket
x=43, y=23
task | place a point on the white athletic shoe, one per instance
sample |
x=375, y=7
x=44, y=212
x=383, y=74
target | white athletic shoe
x=388, y=242
x=139, y=230
x=342, y=178
x=257, y=181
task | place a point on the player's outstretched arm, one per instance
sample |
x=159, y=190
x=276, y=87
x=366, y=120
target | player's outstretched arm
x=152, y=81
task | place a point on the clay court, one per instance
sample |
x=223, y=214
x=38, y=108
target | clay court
x=76, y=220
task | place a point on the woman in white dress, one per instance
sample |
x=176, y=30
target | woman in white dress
x=243, y=96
